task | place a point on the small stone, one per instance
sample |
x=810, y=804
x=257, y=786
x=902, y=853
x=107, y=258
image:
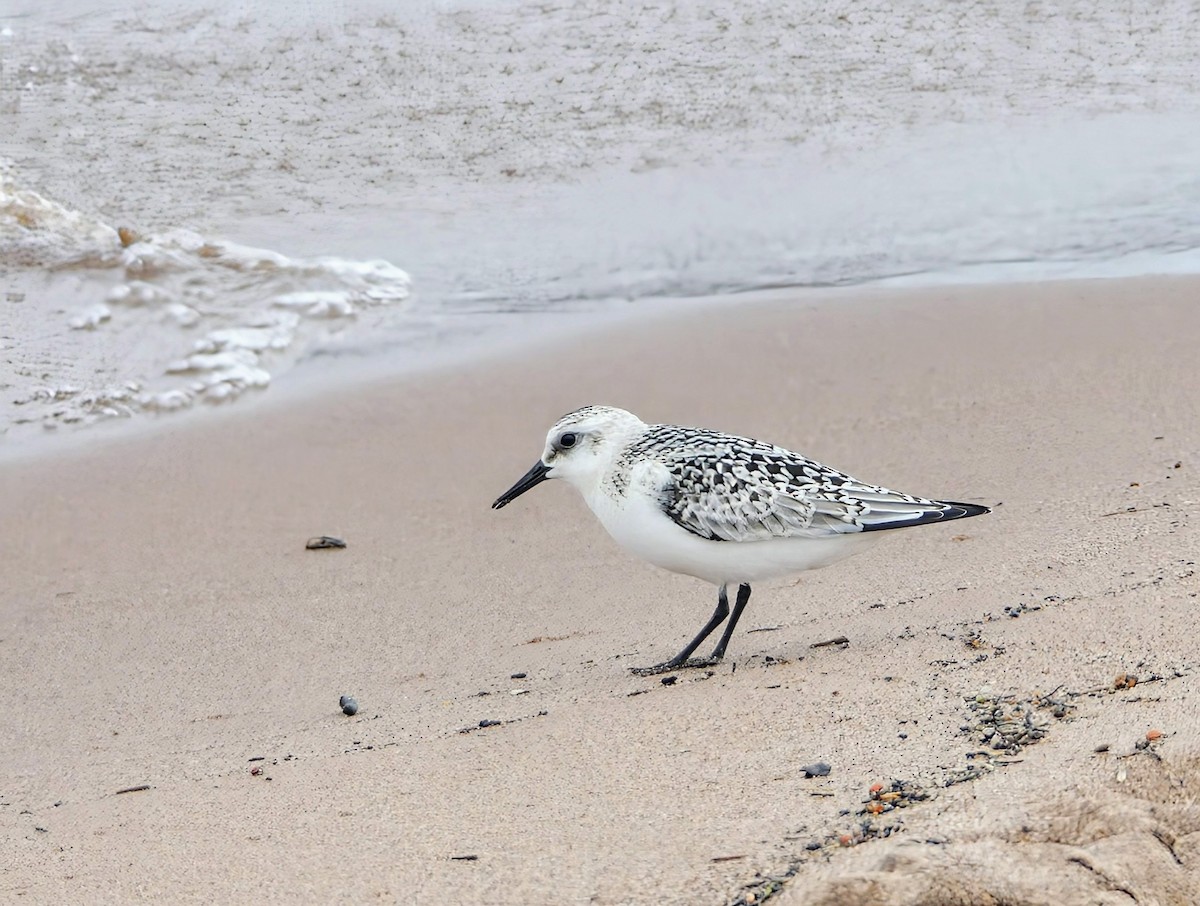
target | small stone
x=324, y=542
x=484, y=724
x=519, y=676
x=817, y=769
x=348, y=705
x=669, y=680
x=812, y=845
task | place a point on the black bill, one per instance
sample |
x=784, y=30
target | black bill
x=534, y=476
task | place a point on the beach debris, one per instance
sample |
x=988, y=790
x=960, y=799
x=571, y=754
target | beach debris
x=127, y=236
x=133, y=789
x=883, y=798
x=348, y=705
x=518, y=676
x=256, y=770
x=1015, y=610
x=518, y=691
x=1151, y=737
x=324, y=542
x=485, y=724
x=840, y=640
x=468, y=858
x=669, y=680
x=1006, y=723
x=1124, y=681
x=817, y=769
x=727, y=858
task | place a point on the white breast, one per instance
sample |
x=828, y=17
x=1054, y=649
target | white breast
x=638, y=524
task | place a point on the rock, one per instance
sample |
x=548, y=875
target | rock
x=818, y=769
x=348, y=705
x=324, y=542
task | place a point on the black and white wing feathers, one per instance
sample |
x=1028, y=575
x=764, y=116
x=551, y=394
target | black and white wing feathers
x=727, y=488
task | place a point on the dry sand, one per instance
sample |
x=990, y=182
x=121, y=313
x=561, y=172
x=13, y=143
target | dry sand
x=162, y=624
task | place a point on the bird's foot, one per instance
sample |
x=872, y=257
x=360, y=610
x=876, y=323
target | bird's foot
x=667, y=667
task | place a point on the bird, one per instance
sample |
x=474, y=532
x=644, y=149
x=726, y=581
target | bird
x=725, y=509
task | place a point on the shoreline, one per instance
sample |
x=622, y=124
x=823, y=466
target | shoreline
x=329, y=368
x=166, y=625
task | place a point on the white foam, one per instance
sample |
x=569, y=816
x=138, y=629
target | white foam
x=38, y=232
x=254, y=310
x=91, y=317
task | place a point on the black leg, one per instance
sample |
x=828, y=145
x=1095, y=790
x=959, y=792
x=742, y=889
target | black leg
x=738, y=607
x=680, y=659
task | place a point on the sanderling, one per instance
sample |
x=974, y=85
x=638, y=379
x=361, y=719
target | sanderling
x=725, y=509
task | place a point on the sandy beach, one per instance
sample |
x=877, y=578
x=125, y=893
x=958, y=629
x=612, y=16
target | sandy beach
x=164, y=626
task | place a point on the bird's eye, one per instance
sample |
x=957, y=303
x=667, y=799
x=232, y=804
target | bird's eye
x=567, y=440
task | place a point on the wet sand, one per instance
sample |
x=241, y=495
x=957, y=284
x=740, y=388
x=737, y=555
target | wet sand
x=163, y=625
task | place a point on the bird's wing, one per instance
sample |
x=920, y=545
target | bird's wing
x=741, y=490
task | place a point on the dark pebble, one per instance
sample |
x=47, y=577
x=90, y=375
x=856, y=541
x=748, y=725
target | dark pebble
x=489, y=723
x=904, y=736
x=324, y=542
x=812, y=845
x=1103, y=747
x=464, y=858
x=519, y=676
x=819, y=769
x=348, y=705
x=670, y=680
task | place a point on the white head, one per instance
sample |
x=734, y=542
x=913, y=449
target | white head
x=579, y=448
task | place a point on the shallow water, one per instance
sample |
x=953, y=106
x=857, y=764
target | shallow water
x=283, y=170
